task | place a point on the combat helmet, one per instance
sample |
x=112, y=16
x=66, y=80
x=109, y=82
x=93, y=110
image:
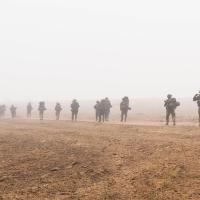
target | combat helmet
x=169, y=96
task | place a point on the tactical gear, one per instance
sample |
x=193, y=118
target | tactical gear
x=124, y=107
x=171, y=104
x=58, y=109
x=74, y=109
x=41, y=109
x=13, y=111
x=29, y=110
x=197, y=99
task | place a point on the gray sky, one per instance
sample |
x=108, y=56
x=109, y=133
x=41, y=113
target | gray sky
x=61, y=49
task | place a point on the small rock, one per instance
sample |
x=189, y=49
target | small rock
x=44, y=176
x=3, y=178
x=54, y=169
x=75, y=163
x=69, y=167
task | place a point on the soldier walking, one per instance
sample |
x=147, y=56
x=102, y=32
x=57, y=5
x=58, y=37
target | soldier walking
x=124, y=107
x=171, y=104
x=58, y=109
x=13, y=111
x=41, y=109
x=197, y=99
x=102, y=111
x=2, y=110
x=74, y=109
x=97, y=110
x=108, y=106
x=29, y=110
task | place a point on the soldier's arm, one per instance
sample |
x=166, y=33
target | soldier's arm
x=166, y=102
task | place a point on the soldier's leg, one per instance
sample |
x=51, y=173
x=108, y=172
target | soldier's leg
x=103, y=116
x=76, y=115
x=41, y=116
x=108, y=115
x=58, y=116
x=96, y=116
x=100, y=116
x=174, y=117
x=126, y=115
x=72, y=116
x=122, y=116
x=199, y=116
x=167, y=117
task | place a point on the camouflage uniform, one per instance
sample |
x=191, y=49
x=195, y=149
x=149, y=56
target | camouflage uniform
x=108, y=106
x=13, y=111
x=102, y=111
x=41, y=109
x=171, y=104
x=58, y=109
x=2, y=110
x=29, y=110
x=97, y=110
x=74, y=109
x=197, y=99
x=124, y=107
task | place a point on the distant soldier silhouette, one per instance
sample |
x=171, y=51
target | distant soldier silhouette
x=58, y=109
x=97, y=110
x=108, y=106
x=41, y=109
x=102, y=110
x=124, y=107
x=171, y=104
x=2, y=110
x=197, y=99
x=13, y=111
x=74, y=109
x=29, y=110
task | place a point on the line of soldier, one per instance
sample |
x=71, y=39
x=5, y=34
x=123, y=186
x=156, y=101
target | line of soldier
x=102, y=109
x=42, y=108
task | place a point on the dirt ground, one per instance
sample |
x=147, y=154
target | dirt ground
x=84, y=160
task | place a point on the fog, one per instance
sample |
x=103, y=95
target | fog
x=61, y=49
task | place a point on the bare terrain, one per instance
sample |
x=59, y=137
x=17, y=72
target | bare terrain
x=85, y=160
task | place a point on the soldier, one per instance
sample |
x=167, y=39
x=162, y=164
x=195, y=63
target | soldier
x=171, y=104
x=2, y=110
x=74, y=109
x=13, y=111
x=29, y=110
x=97, y=109
x=197, y=99
x=102, y=110
x=41, y=109
x=108, y=106
x=58, y=109
x=124, y=107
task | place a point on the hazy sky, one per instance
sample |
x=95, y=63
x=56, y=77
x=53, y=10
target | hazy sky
x=63, y=49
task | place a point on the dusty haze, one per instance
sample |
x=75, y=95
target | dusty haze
x=144, y=110
x=91, y=49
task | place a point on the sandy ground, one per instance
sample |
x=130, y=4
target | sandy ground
x=84, y=160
